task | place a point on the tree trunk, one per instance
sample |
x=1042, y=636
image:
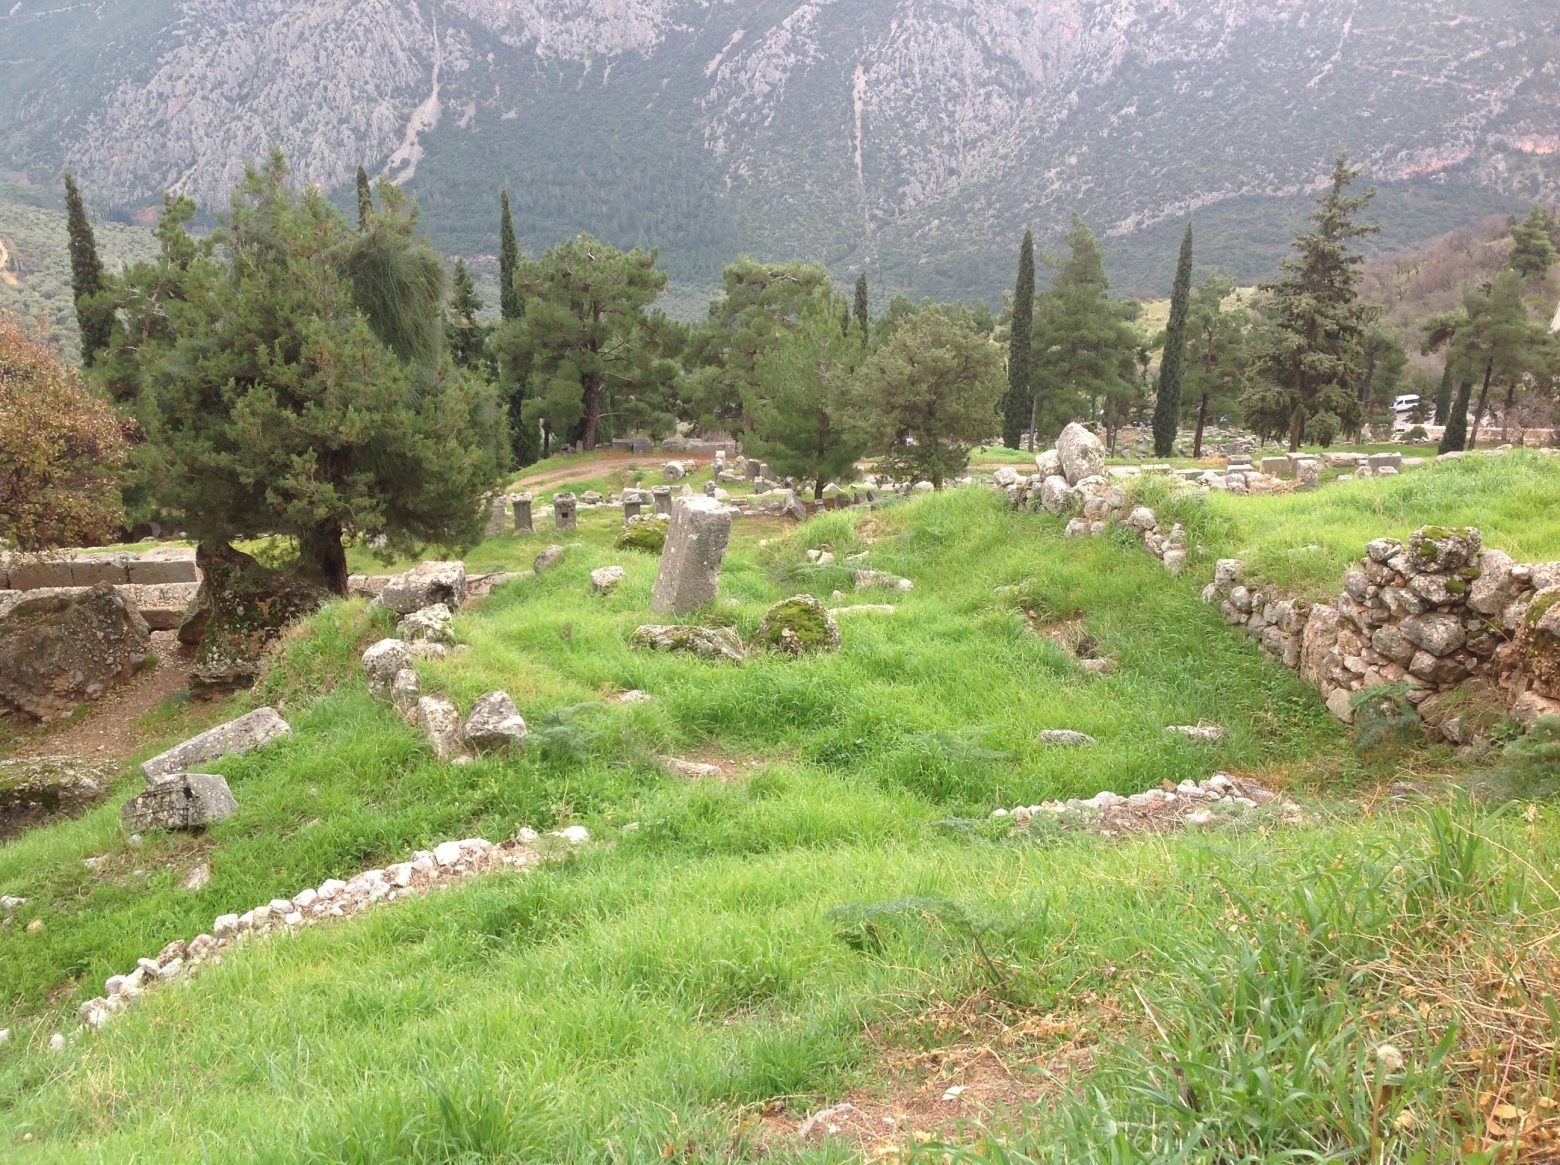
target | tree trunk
x=592, y=412
x=322, y=549
x=1509, y=407
x=1202, y=419
x=1296, y=428
x=1484, y=399
x=1034, y=418
x=818, y=489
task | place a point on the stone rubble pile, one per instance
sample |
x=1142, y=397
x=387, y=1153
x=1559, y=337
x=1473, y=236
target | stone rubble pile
x=426, y=870
x=1216, y=799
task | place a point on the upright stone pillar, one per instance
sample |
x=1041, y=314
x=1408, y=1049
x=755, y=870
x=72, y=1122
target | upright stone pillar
x=663, y=499
x=565, y=508
x=690, y=562
x=633, y=502
x=521, y=504
x=753, y=466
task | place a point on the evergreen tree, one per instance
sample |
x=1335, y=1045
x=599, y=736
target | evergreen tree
x=863, y=317
x=1382, y=364
x=1532, y=250
x=801, y=377
x=1455, y=439
x=1215, y=352
x=398, y=281
x=93, y=317
x=1167, y=405
x=927, y=395
x=1439, y=333
x=587, y=343
x=1499, y=344
x=1306, y=353
x=464, y=334
x=1083, y=357
x=1017, y=404
x=510, y=305
x=278, y=409
x=365, y=199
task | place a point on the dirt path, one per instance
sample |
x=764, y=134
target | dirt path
x=107, y=731
x=581, y=471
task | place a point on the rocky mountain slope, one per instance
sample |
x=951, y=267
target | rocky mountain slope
x=913, y=137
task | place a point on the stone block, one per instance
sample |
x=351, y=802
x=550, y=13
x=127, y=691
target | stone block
x=242, y=735
x=160, y=572
x=689, y=574
x=186, y=801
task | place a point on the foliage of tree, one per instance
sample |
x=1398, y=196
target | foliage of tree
x=464, y=334
x=60, y=447
x=510, y=305
x=863, y=313
x=365, y=199
x=1167, y=404
x=1017, y=404
x=279, y=409
x=1083, y=356
x=1499, y=344
x=1532, y=248
x=1215, y=361
x=927, y=396
x=86, y=275
x=1383, y=361
x=757, y=302
x=1306, y=348
x=398, y=281
x=802, y=376
x=588, y=343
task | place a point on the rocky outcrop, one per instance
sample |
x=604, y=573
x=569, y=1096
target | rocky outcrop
x=59, y=650
x=42, y=788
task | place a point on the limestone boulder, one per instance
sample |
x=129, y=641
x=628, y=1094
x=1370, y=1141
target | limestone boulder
x=800, y=625
x=432, y=624
x=1081, y=453
x=61, y=650
x=424, y=585
x=245, y=734
x=494, y=724
x=440, y=723
x=39, y=789
x=1438, y=634
x=189, y=801
x=383, y=661
x=1048, y=463
x=717, y=643
x=605, y=579
x=1443, y=550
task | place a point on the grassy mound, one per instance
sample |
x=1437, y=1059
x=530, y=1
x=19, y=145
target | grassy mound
x=731, y=942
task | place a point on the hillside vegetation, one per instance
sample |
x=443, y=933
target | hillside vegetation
x=728, y=952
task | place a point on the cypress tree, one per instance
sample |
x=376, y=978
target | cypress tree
x=1167, y=406
x=365, y=197
x=1455, y=438
x=861, y=306
x=1443, y=395
x=1016, y=404
x=509, y=305
x=86, y=276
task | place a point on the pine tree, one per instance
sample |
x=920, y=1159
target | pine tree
x=1167, y=405
x=1499, y=344
x=1017, y=405
x=1306, y=352
x=1215, y=352
x=862, y=317
x=1083, y=356
x=278, y=409
x=93, y=316
x=464, y=334
x=510, y=305
x=1532, y=250
x=365, y=199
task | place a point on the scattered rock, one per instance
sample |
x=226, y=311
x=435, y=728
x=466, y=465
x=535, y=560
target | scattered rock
x=798, y=626
x=1200, y=733
x=383, y=662
x=705, y=642
x=440, y=723
x=604, y=579
x=41, y=788
x=1066, y=738
x=431, y=624
x=425, y=585
x=242, y=735
x=196, y=878
x=1080, y=452
x=548, y=558
x=184, y=801
x=689, y=769
x=405, y=691
x=495, y=723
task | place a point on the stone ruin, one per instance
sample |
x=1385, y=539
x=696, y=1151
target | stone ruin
x=691, y=560
x=1437, y=613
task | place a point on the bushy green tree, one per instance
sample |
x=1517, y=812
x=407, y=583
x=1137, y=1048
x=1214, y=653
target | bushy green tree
x=927, y=395
x=1215, y=361
x=802, y=375
x=1500, y=345
x=1017, y=403
x=757, y=302
x=1084, y=351
x=87, y=280
x=1306, y=348
x=588, y=344
x=278, y=408
x=464, y=334
x=1532, y=249
x=1167, y=404
x=1383, y=361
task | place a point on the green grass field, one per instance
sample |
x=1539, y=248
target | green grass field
x=723, y=945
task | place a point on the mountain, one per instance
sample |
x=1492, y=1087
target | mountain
x=915, y=138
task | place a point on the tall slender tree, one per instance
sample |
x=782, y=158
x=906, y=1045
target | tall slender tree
x=1017, y=404
x=465, y=335
x=93, y=316
x=863, y=318
x=365, y=197
x=1306, y=354
x=1215, y=352
x=1167, y=405
x=510, y=305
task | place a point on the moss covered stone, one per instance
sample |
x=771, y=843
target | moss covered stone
x=646, y=534
x=798, y=626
